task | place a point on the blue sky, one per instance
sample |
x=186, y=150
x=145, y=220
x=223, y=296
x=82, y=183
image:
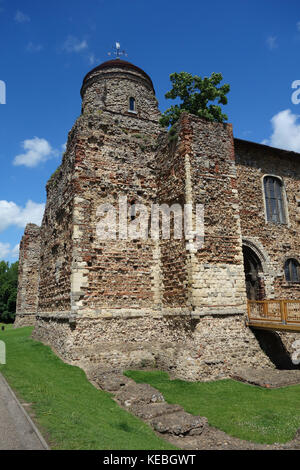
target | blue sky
x=46, y=48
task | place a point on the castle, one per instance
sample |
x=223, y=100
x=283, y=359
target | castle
x=154, y=302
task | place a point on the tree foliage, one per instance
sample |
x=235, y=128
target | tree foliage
x=8, y=291
x=195, y=94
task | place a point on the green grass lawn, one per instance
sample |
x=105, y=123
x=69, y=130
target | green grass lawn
x=72, y=412
x=252, y=413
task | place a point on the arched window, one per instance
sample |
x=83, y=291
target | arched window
x=292, y=270
x=274, y=197
x=131, y=104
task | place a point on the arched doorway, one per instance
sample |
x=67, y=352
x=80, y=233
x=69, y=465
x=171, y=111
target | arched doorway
x=253, y=270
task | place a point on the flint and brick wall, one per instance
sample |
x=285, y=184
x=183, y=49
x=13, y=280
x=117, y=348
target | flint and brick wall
x=218, y=280
x=56, y=238
x=28, y=279
x=171, y=190
x=115, y=273
x=199, y=169
x=275, y=242
x=133, y=301
x=114, y=159
x=206, y=349
x=172, y=304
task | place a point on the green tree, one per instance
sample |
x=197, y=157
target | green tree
x=195, y=94
x=8, y=291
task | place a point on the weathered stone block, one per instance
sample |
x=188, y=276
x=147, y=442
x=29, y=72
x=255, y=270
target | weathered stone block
x=179, y=424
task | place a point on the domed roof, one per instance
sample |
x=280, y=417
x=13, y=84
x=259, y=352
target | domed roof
x=117, y=63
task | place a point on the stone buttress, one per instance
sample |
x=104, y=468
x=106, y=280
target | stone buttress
x=28, y=278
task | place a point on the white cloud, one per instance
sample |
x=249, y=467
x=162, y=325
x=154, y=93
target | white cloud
x=12, y=214
x=15, y=251
x=36, y=151
x=272, y=42
x=4, y=250
x=31, y=47
x=21, y=17
x=286, y=131
x=73, y=44
x=298, y=25
x=91, y=59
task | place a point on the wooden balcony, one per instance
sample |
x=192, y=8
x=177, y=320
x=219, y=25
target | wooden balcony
x=282, y=315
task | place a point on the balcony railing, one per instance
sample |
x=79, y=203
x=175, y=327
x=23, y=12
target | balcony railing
x=274, y=314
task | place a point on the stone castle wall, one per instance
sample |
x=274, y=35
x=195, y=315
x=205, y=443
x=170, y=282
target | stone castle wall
x=109, y=89
x=275, y=242
x=28, y=279
x=206, y=279
x=114, y=159
x=218, y=280
x=173, y=256
x=146, y=303
x=206, y=349
x=56, y=261
x=120, y=303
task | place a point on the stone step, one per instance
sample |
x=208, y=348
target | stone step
x=153, y=410
x=112, y=383
x=133, y=394
x=149, y=404
x=179, y=424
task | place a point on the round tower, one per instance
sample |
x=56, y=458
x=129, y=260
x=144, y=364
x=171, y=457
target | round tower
x=119, y=87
